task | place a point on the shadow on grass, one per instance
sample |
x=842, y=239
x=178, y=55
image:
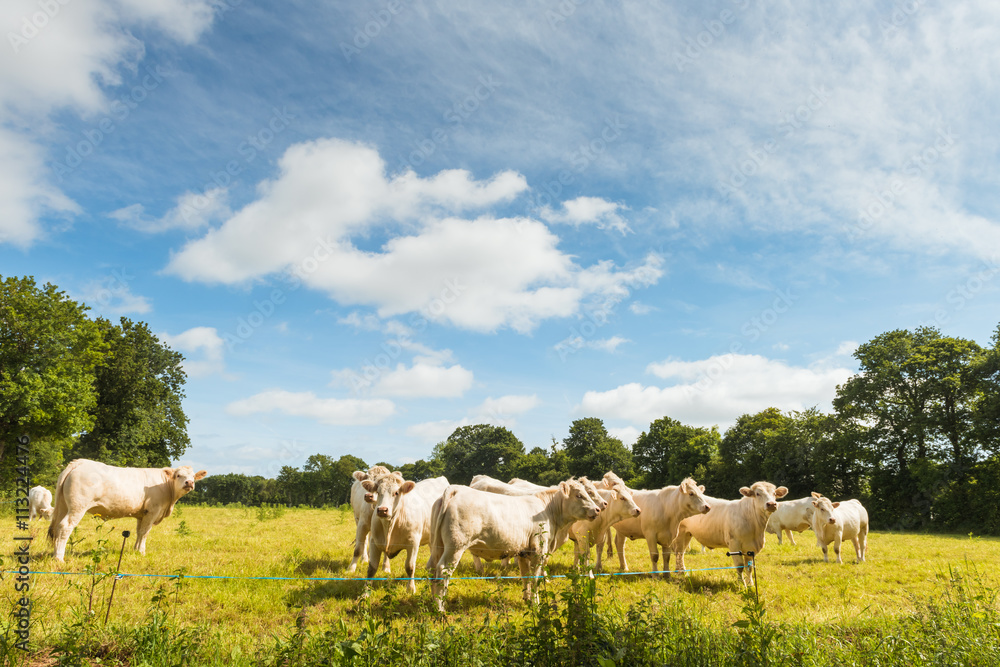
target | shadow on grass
x=311, y=566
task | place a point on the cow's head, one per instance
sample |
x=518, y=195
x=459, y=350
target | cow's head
x=764, y=495
x=47, y=513
x=592, y=492
x=610, y=479
x=621, y=493
x=823, y=510
x=388, y=491
x=580, y=505
x=184, y=478
x=693, y=497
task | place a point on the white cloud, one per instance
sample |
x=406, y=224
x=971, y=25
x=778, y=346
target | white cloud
x=482, y=274
x=587, y=211
x=203, y=341
x=113, y=296
x=627, y=434
x=579, y=343
x=717, y=390
x=437, y=431
x=191, y=212
x=424, y=380
x=66, y=61
x=496, y=411
x=334, y=411
x=847, y=348
x=638, y=308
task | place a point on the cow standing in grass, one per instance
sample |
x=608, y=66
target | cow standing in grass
x=91, y=487
x=494, y=526
x=835, y=522
x=791, y=515
x=39, y=503
x=585, y=534
x=736, y=525
x=363, y=507
x=402, y=519
x=662, y=512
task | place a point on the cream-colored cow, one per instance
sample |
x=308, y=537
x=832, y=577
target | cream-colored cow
x=836, y=522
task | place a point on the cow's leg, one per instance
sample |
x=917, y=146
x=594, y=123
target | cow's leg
x=620, y=545
x=611, y=543
x=791, y=538
x=445, y=566
x=411, y=566
x=857, y=547
x=863, y=540
x=360, y=545
x=826, y=555
x=375, y=553
x=478, y=564
x=779, y=535
x=654, y=552
x=62, y=530
x=666, y=560
x=741, y=567
x=680, y=547
x=142, y=527
x=599, y=542
x=836, y=546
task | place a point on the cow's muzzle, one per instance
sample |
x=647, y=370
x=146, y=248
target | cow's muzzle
x=637, y=511
x=705, y=508
x=188, y=485
x=832, y=521
x=771, y=506
x=383, y=511
x=369, y=497
x=592, y=514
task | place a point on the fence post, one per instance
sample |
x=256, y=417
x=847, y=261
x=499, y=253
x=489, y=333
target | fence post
x=118, y=571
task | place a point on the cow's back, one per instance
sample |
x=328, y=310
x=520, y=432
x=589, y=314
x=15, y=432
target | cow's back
x=113, y=492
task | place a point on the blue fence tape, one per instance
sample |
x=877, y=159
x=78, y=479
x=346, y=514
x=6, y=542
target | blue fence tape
x=122, y=575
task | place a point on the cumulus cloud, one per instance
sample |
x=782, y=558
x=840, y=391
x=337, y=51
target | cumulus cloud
x=191, y=212
x=424, y=380
x=587, y=211
x=333, y=411
x=717, y=390
x=113, y=296
x=66, y=61
x=481, y=274
x=205, y=344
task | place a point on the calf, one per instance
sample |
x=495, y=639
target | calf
x=39, y=503
x=361, y=504
x=402, y=519
x=662, y=512
x=791, y=515
x=494, y=526
x=585, y=534
x=90, y=487
x=737, y=525
x=835, y=522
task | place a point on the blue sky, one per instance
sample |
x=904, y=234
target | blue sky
x=368, y=223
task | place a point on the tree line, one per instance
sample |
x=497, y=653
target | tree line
x=915, y=434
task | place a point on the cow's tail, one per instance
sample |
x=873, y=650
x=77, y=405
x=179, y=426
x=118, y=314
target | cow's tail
x=59, y=505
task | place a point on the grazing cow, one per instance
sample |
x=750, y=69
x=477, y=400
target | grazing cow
x=39, y=503
x=89, y=487
x=791, y=515
x=662, y=512
x=835, y=522
x=585, y=534
x=494, y=526
x=402, y=519
x=737, y=525
x=361, y=503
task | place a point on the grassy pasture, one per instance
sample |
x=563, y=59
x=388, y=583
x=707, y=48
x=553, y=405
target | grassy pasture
x=904, y=573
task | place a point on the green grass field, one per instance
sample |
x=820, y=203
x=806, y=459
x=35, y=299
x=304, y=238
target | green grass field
x=244, y=619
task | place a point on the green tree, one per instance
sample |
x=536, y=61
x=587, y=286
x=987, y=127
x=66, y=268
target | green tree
x=753, y=449
x=593, y=452
x=48, y=352
x=481, y=449
x=339, y=491
x=421, y=469
x=670, y=451
x=138, y=419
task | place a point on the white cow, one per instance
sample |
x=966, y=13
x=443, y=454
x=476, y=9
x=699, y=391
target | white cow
x=39, y=503
x=736, y=525
x=90, y=487
x=585, y=534
x=402, y=519
x=662, y=512
x=362, y=504
x=835, y=522
x=493, y=526
x=791, y=515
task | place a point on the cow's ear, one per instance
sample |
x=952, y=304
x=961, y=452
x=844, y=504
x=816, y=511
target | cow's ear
x=746, y=491
x=701, y=487
x=200, y=475
x=407, y=487
x=781, y=492
x=359, y=475
x=837, y=504
x=170, y=472
x=564, y=487
x=815, y=504
x=368, y=485
x=817, y=495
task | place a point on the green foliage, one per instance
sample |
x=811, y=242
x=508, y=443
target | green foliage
x=481, y=449
x=48, y=353
x=670, y=451
x=592, y=451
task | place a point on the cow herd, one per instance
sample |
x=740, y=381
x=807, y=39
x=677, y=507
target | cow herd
x=490, y=519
